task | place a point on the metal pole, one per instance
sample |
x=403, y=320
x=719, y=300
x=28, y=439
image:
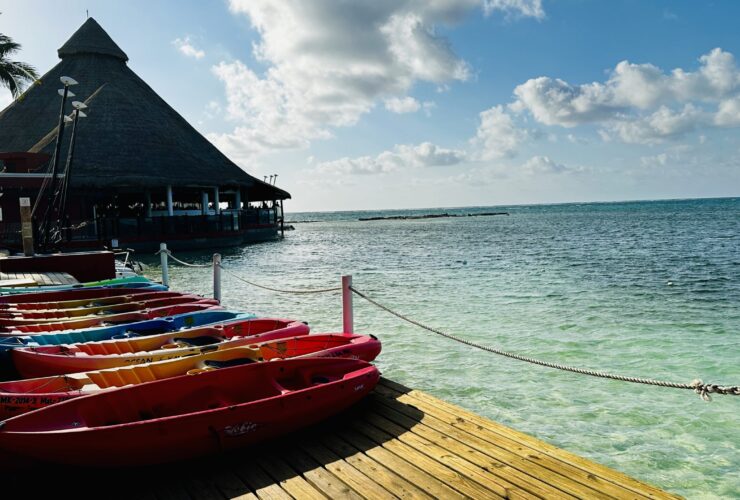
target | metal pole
x=170, y=209
x=347, y=320
x=55, y=164
x=163, y=259
x=68, y=167
x=217, y=276
x=26, y=226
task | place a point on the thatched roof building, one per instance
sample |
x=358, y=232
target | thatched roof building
x=132, y=137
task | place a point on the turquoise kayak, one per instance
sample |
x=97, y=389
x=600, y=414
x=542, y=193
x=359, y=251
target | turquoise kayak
x=130, y=282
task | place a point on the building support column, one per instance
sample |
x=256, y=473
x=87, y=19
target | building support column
x=170, y=209
x=148, y=202
x=216, y=200
x=238, y=199
x=204, y=202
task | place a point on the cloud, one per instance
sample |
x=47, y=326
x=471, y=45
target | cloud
x=543, y=165
x=5, y=98
x=530, y=8
x=640, y=102
x=185, y=46
x=425, y=154
x=328, y=63
x=497, y=135
x=402, y=105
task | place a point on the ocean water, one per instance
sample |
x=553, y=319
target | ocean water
x=649, y=289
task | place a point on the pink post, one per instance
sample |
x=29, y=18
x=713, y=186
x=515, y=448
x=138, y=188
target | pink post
x=347, y=304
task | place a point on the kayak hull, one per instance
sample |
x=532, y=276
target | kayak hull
x=44, y=361
x=22, y=396
x=189, y=416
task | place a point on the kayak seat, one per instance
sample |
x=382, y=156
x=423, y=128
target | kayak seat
x=213, y=363
x=198, y=341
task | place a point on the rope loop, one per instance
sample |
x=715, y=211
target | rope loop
x=171, y=256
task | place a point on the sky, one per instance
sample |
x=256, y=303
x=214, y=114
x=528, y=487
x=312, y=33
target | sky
x=372, y=104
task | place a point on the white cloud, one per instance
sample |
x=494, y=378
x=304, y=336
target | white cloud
x=330, y=62
x=543, y=165
x=185, y=46
x=402, y=105
x=497, y=135
x=531, y=8
x=640, y=102
x=425, y=154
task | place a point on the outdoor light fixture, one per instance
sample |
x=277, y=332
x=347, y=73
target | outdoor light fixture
x=79, y=105
x=68, y=119
x=62, y=91
x=68, y=81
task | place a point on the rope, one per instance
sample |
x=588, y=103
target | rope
x=187, y=264
x=704, y=390
x=319, y=290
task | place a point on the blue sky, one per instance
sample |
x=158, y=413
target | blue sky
x=410, y=103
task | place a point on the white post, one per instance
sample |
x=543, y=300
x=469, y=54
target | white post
x=163, y=260
x=217, y=276
x=170, y=209
x=216, y=200
x=204, y=202
x=347, y=304
x=238, y=201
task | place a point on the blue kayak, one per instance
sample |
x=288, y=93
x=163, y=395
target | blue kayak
x=132, y=282
x=140, y=328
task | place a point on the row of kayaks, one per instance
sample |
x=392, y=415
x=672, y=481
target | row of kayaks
x=129, y=373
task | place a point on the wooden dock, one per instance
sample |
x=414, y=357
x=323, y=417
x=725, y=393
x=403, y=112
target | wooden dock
x=18, y=279
x=398, y=443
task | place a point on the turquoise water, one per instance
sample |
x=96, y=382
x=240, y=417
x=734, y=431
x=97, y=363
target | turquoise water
x=643, y=288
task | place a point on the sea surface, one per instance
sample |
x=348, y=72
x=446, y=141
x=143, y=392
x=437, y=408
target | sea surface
x=649, y=289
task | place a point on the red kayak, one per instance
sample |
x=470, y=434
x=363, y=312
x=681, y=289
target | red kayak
x=190, y=415
x=42, y=361
x=114, y=319
x=70, y=294
x=30, y=316
x=87, y=302
x=22, y=396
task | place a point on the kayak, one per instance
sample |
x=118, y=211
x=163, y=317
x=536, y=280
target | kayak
x=102, y=321
x=147, y=286
x=22, y=396
x=148, y=327
x=11, y=301
x=131, y=280
x=188, y=416
x=35, y=316
x=116, y=296
x=42, y=361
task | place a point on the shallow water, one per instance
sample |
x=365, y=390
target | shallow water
x=648, y=289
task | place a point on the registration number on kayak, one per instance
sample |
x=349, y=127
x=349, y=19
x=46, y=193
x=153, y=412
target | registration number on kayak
x=240, y=429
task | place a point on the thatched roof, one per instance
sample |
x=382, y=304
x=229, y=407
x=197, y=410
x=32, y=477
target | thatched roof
x=131, y=138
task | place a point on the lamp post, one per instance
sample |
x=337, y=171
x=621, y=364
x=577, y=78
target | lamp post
x=65, y=93
x=77, y=114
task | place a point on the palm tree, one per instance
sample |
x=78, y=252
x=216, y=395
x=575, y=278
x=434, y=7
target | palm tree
x=14, y=75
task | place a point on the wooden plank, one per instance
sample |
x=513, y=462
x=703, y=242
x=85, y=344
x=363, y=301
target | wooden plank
x=381, y=474
x=345, y=471
x=589, y=466
x=452, y=478
x=231, y=486
x=494, y=483
x=259, y=481
x=320, y=478
x=499, y=468
x=524, y=465
x=478, y=432
x=289, y=480
x=401, y=467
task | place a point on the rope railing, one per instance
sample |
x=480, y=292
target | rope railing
x=704, y=390
x=698, y=386
x=179, y=261
x=279, y=290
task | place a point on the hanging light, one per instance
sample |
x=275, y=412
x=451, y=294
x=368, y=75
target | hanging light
x=69, y=93
x=79, y=105
x=68, y=81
